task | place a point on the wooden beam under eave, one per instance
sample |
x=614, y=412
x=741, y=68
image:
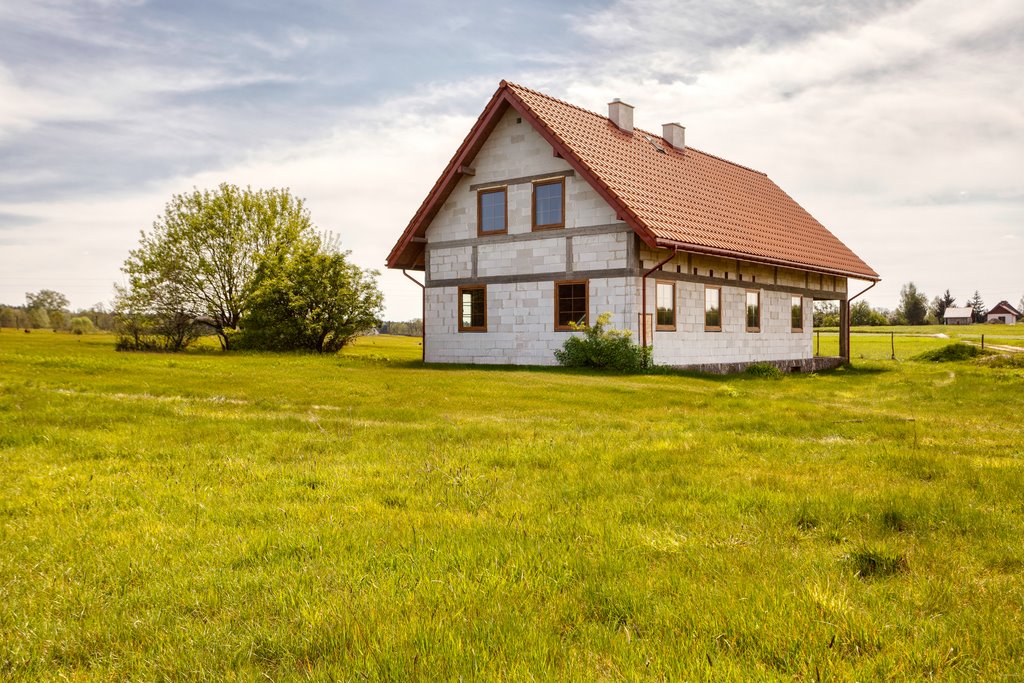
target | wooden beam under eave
x=467, y=170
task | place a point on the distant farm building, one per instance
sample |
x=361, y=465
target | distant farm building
x=958, y=316
x=1003, y=313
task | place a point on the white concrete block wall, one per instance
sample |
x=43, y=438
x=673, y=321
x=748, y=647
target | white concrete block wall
x=520, y=325
x=690, y=344
x=594, y=252
x=519, y=258
x=448, y=263
x=520, y=322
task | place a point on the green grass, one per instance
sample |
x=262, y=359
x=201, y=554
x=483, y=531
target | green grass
x=242, y=516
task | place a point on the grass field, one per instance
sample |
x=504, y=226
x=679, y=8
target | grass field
x=214, y=516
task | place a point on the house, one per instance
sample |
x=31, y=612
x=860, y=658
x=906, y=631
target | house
x=1004, y=313
x=549, y=214
x=958, y=316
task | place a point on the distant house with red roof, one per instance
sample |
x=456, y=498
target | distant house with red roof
x=1004, y=313
x=549, y=214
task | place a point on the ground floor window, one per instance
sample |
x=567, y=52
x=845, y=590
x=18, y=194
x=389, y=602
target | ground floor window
x=473, y=309
x=665, y=296
x=712, y=309
x=570, y=304
x=797, y=308
x=753, y=311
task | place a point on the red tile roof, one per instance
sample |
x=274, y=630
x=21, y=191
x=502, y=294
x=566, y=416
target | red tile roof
x=691, y=200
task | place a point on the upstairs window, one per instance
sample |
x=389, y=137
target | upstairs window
x=492, y=211
x=753, y=311
x=665, y=302
x=473, y=309
x=570, y=304
x=797, y=307
x=713, y=309
x=549, y=204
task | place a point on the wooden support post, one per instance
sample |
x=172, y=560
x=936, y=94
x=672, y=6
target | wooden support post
x=892, y=344
x=844, y=330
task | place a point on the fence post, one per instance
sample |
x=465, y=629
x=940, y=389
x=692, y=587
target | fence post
x=892, y=343
x=982, y=342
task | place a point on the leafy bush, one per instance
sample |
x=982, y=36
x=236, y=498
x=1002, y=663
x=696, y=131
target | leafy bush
x=603, y=347
x=951, y=352
x=82, y=325
x=313, y=299
x=766, y=370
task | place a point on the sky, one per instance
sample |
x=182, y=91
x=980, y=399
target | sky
x=899, y=125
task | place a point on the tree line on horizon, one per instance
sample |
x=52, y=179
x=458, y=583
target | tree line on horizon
x=913, y=309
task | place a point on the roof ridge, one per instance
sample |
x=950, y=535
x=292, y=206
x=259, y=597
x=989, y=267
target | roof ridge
x=639, y=130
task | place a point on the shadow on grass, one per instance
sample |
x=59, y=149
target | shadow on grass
x=657, y=371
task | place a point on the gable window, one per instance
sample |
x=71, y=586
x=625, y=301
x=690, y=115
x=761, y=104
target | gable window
x=753, y=311
x=713, y=309
x=549, y=204
x=492, y=211
x=665, y=302
x=473, y=309
x=570, y=304
x=797, y=307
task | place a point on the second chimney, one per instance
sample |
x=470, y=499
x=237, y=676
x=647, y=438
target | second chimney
x=621, y=114
x=675, y=135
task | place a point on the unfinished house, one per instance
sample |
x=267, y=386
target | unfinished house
x=549, y=214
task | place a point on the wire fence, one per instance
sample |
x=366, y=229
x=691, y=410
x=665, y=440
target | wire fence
x=897, y=346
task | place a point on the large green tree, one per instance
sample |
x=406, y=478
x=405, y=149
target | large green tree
x=978, y=307
x=46, y=308
x=941, y=303
x=207, y=247
x=861, y=313
x=913, y=304
x=312, y=299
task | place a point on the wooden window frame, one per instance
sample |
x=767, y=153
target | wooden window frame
x=721, y=316
x=480, y=232
x=470, y=328
x=745, y=306
x=533, y=204
x=586, y=295
x=665, y=328
x=791, y=328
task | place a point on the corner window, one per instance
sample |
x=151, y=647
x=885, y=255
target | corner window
x=549, y=204
x=753, y=311
x=570, y=304
x=665, y=302
x=473, y=309
x=713, y=309
x=797, y=307
x=492, y=211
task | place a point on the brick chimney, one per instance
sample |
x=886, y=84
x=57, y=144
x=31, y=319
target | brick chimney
x=675, y=135
x=621, y=114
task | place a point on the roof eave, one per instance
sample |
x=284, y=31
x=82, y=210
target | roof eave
x=728, y=253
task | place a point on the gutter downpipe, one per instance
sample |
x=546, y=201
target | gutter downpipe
x=844, y=323
x=423, y=316
x=643, y=294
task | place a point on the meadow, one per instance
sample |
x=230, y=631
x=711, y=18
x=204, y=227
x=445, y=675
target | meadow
x=232, y=516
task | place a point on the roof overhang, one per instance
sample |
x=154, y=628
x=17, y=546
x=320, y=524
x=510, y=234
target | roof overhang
x=767, y=260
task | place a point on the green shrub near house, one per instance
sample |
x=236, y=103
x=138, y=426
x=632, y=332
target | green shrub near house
x=603, y=347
